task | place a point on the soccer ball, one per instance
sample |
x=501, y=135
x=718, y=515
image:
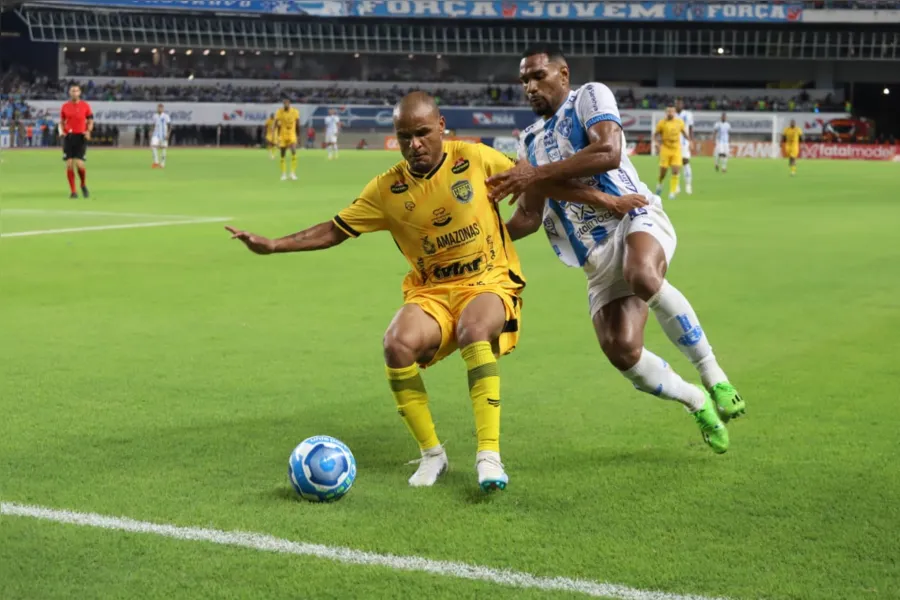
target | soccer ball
x=321, y=469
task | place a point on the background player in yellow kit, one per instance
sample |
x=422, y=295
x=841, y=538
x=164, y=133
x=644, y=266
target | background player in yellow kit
x=464, y=284
x=668, y=135
x=790, y=137
x=287, y=130
x=270, y=135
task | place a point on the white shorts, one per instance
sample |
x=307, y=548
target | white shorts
x=685, y=150
x=604, y=266
x=722, y=148
x=331, y=139
x=157, y=142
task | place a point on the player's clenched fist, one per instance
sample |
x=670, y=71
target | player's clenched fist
x=256, y=243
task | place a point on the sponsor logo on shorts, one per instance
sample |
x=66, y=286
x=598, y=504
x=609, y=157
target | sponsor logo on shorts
x=462, y=191
x=441, y=217
x=399, y=187
x=461, y=236
x=428, y=246
x=460, y=166
x=460, y=268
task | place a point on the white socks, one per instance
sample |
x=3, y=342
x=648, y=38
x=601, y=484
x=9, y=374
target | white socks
x=653, y=375
x=724, y=162
x=681, y=325
x=688, y=174
x=155, y=155
x=163, y=162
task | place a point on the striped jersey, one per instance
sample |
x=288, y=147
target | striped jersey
x=575, y=230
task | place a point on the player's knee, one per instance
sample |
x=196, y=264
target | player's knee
x=470, y=333
x=622, y=353
x=644, y=278
x=400, y=348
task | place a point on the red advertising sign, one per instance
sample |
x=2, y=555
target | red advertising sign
x=849, y=151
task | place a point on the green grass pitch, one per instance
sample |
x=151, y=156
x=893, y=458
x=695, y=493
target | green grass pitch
x=165, y=374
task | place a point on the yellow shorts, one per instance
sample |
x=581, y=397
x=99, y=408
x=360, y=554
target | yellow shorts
x=670, y=158
x=792, y=151
x=446, y=303
x=287, y=140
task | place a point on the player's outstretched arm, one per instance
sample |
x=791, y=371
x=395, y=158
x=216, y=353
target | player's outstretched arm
x=318, y=237
x=602, y=154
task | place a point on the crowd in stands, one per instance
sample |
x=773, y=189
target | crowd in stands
x=12, y=96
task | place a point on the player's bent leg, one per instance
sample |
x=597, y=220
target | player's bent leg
x=480, y=323
x=644, y=271
x=619, y=326
x=662, y=177
x=413, y=337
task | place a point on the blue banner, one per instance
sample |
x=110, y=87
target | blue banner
x=752, y=12
x=604, y=10
x=381, y=118
x=322, y=8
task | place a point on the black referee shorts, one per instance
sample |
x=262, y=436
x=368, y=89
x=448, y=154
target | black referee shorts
x=74, y=146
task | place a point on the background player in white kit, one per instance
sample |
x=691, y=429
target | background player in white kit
x=159, y=142
x=686, y=143
x=722, y=133
x=332, y=128
x=624, y=248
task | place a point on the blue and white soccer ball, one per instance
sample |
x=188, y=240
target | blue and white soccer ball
x=322, y=469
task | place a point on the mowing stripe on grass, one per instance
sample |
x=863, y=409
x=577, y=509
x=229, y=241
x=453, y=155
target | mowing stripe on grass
x=268, y=543
x=107, y=227
x=89, y=213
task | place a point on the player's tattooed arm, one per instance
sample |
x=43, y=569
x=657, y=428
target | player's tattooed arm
x=318, y=237
x=602, y=154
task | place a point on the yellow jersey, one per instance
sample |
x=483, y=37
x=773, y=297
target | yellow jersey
x=792, y=136
x=286, y=121
x=443, y=222
x=270, y=127
x=671, y=131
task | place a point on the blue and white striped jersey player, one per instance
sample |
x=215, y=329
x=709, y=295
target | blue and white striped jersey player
x=579, y=184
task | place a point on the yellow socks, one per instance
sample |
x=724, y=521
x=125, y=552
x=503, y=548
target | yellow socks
x=283, y=165
x=793, y=169
x=412, y=404
x=484, y=388
x=294, y=162
x=673, y=183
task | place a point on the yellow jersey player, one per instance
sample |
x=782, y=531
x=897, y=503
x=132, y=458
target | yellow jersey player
x=287, y=130
x=464, y=284
x=270, y=135
x=791, y=137
x=668, y=135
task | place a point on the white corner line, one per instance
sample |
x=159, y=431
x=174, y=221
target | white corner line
x=268, y=543
x=108, y=227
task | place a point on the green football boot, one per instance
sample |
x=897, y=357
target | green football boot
x=728, y=401
x=711, y=426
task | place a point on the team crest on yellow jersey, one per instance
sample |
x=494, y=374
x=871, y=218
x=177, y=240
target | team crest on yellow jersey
x=462, y=191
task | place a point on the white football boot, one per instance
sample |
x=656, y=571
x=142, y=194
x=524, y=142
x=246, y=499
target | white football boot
x=293, y=176
x=491, y=475
x=284, y=176
x=432, y=465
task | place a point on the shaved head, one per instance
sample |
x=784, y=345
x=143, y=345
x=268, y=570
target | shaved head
x=418, y=103
x=420, y=131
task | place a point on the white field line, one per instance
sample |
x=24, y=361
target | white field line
x=267, y=543
x=108, y=227
x=89, y=213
